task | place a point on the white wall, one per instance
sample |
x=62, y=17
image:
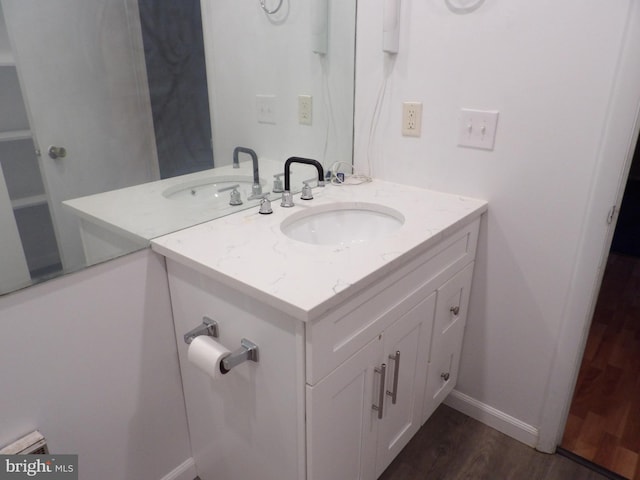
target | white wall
x=257, y=54
x=549, y=68
x=90, y=360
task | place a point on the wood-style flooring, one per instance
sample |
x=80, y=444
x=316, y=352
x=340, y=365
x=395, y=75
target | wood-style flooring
x=604, y=418
x=452, y=446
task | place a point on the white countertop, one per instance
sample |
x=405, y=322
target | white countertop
x=249, y=252
x=143, y=212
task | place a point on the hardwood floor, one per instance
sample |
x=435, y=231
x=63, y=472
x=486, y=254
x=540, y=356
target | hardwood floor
x=604, y=419
x=452, y=446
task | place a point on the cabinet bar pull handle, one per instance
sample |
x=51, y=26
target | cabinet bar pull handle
x=383, y=373
x=396, y=374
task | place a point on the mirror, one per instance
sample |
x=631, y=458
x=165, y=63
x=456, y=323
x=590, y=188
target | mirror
x=119, y=118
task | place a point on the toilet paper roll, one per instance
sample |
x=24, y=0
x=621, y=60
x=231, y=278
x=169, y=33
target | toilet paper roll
x=206, y=354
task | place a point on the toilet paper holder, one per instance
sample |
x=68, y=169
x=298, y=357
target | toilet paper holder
x=209, y=327
x=247, y=351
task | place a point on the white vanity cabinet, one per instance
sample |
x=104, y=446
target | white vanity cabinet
x=363, y=413
x=315, y=406
x=250, y=422
x=446, y=340
x=420, y=315
x=325, y=319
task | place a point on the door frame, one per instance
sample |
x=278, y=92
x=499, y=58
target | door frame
x=617, y=145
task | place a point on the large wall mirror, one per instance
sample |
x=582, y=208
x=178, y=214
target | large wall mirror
x=120, y=120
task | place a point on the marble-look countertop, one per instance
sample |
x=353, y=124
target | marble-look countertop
x=146, y=211
x=248, y=251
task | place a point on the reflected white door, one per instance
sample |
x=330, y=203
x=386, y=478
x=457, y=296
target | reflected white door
x=13, y=263
x=81, y=66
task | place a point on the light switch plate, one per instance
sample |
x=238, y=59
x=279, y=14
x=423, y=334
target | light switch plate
x=478, y=128
x=266, y=108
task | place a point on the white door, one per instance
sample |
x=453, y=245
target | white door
x=81, y=67
x=341, y=424
x=406, y=351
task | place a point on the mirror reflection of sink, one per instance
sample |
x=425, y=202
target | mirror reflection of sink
x=208, y=188
x=342, y=223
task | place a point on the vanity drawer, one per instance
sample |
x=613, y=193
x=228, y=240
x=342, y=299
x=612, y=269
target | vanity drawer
x=446, y=340
x=342, y=332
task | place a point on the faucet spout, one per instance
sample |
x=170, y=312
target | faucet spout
x=257, y=189
x=287, y=200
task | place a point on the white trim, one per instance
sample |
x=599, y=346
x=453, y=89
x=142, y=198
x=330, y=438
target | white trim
x=618, y=140
x=31, y=201
x=493, y=417
x=185, y=471
x=15, y=135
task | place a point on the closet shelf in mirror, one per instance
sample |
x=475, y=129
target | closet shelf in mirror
x=31, y=201
x=7, y=60
x=15, y=135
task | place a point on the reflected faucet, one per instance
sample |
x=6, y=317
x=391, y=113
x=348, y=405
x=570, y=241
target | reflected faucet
x=256, y=189
x=287, y=198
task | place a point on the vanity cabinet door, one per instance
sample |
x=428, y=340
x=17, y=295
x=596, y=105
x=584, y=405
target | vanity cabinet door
x=406, y=354
x=446, y=341
x=341, y=423
x=349, y=439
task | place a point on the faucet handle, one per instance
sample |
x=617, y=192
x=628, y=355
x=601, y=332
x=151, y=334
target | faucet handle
x=307, y=193
x=235, y=198
x=278, y=186
x=265, y=204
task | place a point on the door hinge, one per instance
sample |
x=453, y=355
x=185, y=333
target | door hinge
x=612, y=212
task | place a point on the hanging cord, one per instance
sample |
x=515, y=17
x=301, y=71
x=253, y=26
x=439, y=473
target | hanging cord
x=455, y=7
x=270, y=12
x=389, y=61
x=328, y=107
x=354, y=179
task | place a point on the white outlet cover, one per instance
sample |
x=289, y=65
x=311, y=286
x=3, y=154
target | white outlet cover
x=412, y=119
x=478, y=128
x=266, y=108
x=305, y=109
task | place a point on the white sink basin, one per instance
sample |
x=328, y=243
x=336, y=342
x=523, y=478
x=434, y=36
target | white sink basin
x=208, y=188
x=342, y=223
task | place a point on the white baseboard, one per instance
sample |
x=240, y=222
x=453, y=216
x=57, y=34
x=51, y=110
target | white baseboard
x=477, y=410
x=494, y=418
x=185, y=471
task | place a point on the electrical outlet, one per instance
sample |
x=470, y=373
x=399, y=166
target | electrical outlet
x=477, y=128
x=266, y=108
x=305, y=109
x=411, y=119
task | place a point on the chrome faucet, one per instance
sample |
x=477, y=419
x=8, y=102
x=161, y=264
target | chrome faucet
x=256, y=189
x=287, y=198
